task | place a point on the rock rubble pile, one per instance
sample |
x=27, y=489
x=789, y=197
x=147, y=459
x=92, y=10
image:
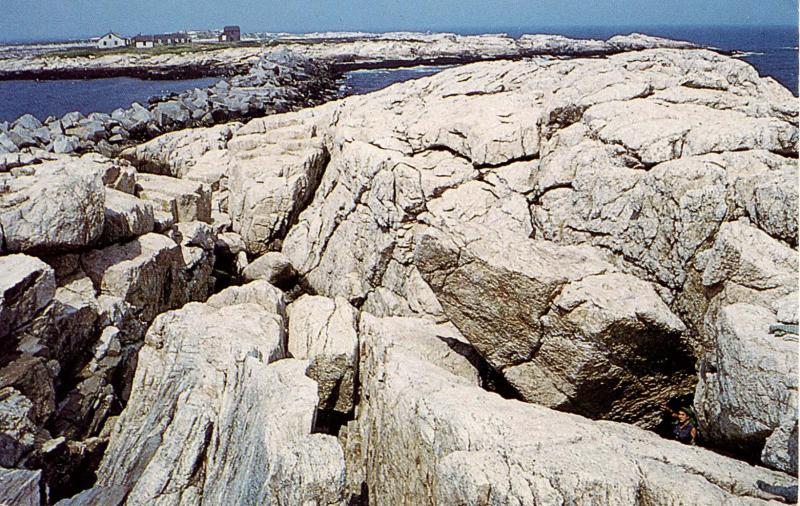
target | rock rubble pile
x=277, y=82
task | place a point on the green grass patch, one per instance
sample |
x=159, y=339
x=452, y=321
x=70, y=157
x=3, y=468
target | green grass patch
x=156, y=50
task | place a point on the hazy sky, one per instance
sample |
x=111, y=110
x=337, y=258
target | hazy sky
x=35, y=19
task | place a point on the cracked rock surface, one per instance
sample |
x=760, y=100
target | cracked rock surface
x=472, y=288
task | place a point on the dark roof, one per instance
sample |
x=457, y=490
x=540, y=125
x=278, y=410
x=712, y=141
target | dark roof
x=160, y=36
x=231, y=29
x=112, y=33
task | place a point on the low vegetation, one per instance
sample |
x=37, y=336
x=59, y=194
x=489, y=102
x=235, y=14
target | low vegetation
x=157, y=50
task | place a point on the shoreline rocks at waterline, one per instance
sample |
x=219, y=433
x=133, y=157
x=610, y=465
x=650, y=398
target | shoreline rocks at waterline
x=276, y=82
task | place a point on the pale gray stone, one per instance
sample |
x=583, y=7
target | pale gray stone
x=780, y=450
x=18, y=432
x=310, y=470
x=21, y=487
x=274, y=166
x=430, y=437
x=749, y=379
x=323, y=331
x=142, y=272
x=26, y=286
x=234, y=421
x=272, y=266
x=60, y=207
x=125, y=217
x=66, y=144
x=184, y=200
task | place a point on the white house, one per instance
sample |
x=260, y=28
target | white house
x=111, y=40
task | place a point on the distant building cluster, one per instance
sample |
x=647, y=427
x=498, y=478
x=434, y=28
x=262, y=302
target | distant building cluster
x=112, y=40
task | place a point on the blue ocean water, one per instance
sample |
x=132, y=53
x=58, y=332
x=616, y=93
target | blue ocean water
x=56, y=98
x=359, y=82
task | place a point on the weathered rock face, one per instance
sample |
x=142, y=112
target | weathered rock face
x=180, y=153
x=323, y=331
x=430, y=437
x=67, y=201
x=226, y=427
x=182, y=199
x=139, y=272
x=72, y=321
x=754, y=277
x=275, y=168
x=26, y=285
x=273, y=267
x=20, y=487
x=596, y=236
x=569, y=232
x=125, y=217
x=310, y=470
x=563, y=332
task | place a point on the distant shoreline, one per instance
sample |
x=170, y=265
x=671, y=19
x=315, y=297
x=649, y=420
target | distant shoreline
x=545, y=29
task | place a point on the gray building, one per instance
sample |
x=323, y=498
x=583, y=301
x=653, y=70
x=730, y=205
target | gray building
x=230, y=34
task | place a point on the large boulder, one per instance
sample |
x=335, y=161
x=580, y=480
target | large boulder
x=564, y=331
x=430, y=437
x=126, y=217
x=21, y=487
x=60, y=207
x=212, y=384
x=26, y=286
x=753, y=278
x=171, y=114
x=749, y=381
x=272, y=266
x=274, y=167
x=183, y=200
x=574, y=215
x=177, y=154
x=323, y=331
x=143, y=272
x=310, y=470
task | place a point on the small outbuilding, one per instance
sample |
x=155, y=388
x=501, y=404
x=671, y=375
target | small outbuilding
x=143, y=41
x=230, y=34
x=111, y=40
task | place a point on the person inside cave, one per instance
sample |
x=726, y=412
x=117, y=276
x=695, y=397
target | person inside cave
x=684, y=425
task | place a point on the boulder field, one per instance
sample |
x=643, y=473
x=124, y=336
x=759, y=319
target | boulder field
x=473, y=288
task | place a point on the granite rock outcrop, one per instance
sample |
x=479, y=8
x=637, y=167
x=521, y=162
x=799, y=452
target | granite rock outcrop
x=473, y=288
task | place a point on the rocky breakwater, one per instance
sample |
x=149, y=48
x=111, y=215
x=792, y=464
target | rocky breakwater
x=275, y=82
x=474, y=288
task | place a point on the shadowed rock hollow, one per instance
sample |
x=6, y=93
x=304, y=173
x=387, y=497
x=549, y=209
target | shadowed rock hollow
x=589, y=237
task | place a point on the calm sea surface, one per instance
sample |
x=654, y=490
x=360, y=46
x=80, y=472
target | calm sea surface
x=56, y=98
x=771, y=50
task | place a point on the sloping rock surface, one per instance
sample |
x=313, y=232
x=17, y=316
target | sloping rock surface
x=429, y=437
x=214, y=406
